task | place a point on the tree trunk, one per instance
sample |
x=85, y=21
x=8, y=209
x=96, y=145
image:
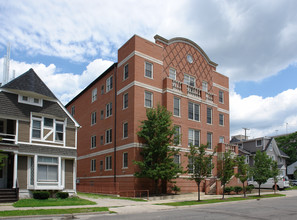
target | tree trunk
x=198, y=191
x=243, y=188
x=275, y=188
x=259, y=190
x=223, y=191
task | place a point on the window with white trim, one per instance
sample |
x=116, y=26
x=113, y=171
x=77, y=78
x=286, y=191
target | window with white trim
x=176, y=106
x=126, y=71
x=125, y=160
x=176, y=159
x=93, y=118
x=221, y=96
x=209, y=115
x=93, y=165
x=73, y=110
x=194, y=137
x=209, y=140
x=189, y=80
x=148, y=99
x=177, y=135
x=148, y=72
x=93, y=141
x=59, y=134
x=259, y=142
x=47, y=169
x=172, y=73
x=125, y=101
x=108, y=163
x=221, y=139
x=125, y=130
x=94, y=95
x=30, y=100
x=204, y=86
x=221, y=119
x=108, y=110
x=193, y=111
x=36, y=128
x=190, y=165
x=108, y=136
x=109, y=84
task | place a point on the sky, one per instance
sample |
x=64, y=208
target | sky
x=70, y=43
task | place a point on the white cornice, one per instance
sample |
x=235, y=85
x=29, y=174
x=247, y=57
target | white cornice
x=220, y=87
x=137, y=53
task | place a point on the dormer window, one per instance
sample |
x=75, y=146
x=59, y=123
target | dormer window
x=30, y=100
x=259, y=143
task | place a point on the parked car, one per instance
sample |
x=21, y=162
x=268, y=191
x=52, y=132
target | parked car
x=293, y=182
x=283, y=182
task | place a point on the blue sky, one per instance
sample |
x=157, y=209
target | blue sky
x=70, y=43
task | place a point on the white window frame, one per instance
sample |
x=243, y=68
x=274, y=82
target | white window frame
x=152, y=70
x=258, y=145
x=178, y=128
x=56, y=132
x=221, y=139
x=108, y=110
x=209, y=142
x=221, y=119
x=125, y=160
x=151, y=99
x=204, y=86
x=189, y=80
x=109, y=84
x=192, y=132
x=94, y=94
x=108, y=136
x=125, y=123
x=93, y=141
x=93, y=118
x=108, y=163
x=221, y=96
x=178, y=108
x=172, y=73
x=124, y=72
x=125, y=104
x=48, y=164
x=194, y=106
x=93, y=166
x=30, y=100
x=209, y=108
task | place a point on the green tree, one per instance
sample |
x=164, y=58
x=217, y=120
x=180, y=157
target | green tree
x=288, y=144
x=158, y=134
x=261, y=169
x=200, y=165
x=226, y=169
x=275, y=172
x=243, y=171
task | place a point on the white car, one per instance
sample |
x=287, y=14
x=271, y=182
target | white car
x=283, y=182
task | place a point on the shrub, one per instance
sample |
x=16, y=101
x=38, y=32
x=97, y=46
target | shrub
x=229, y=189
x=62, y=195
x=237, y=189
x=249, y=188
x=175, y=188
x=41, y=195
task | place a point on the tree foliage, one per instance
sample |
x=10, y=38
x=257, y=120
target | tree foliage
x=158, y=133
x=243, y=171
x=200, y=164
x=288, y=144
x=261, y=169
x=226, y=169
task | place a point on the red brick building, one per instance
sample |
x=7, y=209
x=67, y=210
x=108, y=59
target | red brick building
x=175, y=73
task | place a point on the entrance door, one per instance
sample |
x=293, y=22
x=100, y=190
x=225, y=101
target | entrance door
x=3, y=175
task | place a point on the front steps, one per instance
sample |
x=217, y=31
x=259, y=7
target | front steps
x=9, y=195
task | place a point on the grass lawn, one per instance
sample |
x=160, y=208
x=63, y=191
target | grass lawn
x=291, y=188
x=52, y=202
x=98, y=196
x=210, y=201
x=52, y=211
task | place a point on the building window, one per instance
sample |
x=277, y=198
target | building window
x=221, y=96
x=36, y=128
x=177, y=135
x=209, y=115
x=176, y=159
x=209, y=140
x=108, y=110
x=94, y=95
x=109, y=84
x=48, y=122
x=108, y=163
x=247, y=161
x=125, y=130
x=101, y=140
x=102, y=115
x=59, y=134
x=221, y=140
x=1, y=126
x=176, y=106
x=189, y=80
x=148, y=70
x=148, y=99
x=126, y=71
x=259, y=142
x=30, y=100
x=93, y=165
x=101, y=165
x=125, y=160
x=93, y=141
x=102, y=89
x=73, y=110
x=93, y=118
x=193, y=111
x=125, y=101
x=190, y=165
x=108, y=136
x=204, y=86
x=172, y=73
x=47, y=169
x=221, y=119
x=194, y=137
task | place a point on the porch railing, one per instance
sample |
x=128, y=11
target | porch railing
x=194, y=91
x=7, y=138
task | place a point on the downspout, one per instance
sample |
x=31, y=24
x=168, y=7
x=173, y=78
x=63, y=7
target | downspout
x=115, y=125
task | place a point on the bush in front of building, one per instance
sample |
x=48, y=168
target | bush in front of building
x=229, y=189
x=249, y=188
x=62, y=195
x=41, y=194
x=237, y=189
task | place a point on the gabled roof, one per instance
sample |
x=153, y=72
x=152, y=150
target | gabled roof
x=283, y=153
x=29, y=81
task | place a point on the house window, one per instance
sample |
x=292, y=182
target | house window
x=148, y=99
x=176, y=159
x=176, y=106
x=47, y=170
x=108, y=136
x=48, y=122
x=177, y=135
x=102, y=115
x=193, y=111
x=108, y=163
x=125, y=101
x=209, y=115
x=190, y=165
x=259, y=142
x=101, y=140
x=30, y=100
x=209, y=140
x=102, y=89
x=93, y=165
x=221, y=119
x=189, y=80
x=109, y=84
x=204, y=86
x=94, y=95
x=148, y=70
x=93, y=118
x=221, y=139
x=194, y=137
x=93, y=141
x=36, y=128
x=108, y=110
x=221, y=96
x=125, y=130
x=247, y=161
x=101, y=165
x=125, y=160
x=172, y=73
x=59, y=131
x=126, y=71
x=73, y=110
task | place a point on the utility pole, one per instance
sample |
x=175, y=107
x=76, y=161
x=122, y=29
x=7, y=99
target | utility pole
x=245, y=129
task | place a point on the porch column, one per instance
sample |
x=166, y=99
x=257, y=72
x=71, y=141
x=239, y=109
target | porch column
x=15, y=170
